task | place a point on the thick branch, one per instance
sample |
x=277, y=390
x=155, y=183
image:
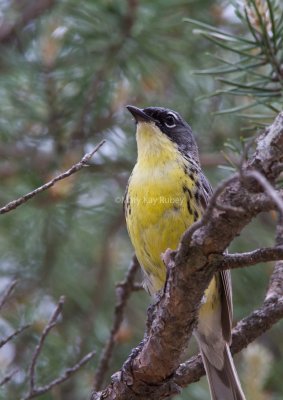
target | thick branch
x=75, y=168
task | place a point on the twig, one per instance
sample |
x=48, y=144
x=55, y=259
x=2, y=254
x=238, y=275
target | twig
x=7, y=293
x=13, y=335
x=239, y=260
x=268, y=188
x=75, y=168
x=66, y=375
x=8, y=377
x=123, y=291
x=51, y=323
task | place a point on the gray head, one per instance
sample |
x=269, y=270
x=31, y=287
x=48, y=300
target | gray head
x=171, y=124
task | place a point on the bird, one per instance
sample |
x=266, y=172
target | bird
x=166, y=193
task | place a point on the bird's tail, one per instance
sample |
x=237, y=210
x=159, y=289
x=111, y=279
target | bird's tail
x=224, y=384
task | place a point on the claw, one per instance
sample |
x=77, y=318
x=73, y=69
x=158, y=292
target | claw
x=168, y=256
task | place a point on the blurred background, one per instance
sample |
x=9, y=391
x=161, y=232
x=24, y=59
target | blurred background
x=67, y=70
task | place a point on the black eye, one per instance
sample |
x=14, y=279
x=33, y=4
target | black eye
x=170, y=121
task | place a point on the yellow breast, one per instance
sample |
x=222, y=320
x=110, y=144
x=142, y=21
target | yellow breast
x=157, y=211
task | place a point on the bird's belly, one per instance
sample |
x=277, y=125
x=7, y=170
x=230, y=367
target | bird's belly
x=158, y=217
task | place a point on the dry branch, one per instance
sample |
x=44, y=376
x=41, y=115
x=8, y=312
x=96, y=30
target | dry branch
x=13, y=335
x=148, y=372
x=75, y=168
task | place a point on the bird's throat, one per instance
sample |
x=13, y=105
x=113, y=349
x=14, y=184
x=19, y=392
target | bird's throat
x=154, y=147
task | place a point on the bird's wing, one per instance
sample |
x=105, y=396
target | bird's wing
x=126, y=197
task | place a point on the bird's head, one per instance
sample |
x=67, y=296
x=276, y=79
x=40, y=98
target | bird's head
x=158, y=127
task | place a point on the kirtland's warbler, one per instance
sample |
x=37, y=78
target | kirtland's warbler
x=167, y=192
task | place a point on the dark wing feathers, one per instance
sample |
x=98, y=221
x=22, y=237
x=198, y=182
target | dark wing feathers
x=227, y=305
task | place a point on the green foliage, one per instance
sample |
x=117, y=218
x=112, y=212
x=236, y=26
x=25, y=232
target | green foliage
x=250, y=64
x=66, y=77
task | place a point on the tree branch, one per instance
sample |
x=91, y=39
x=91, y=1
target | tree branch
x=13, y=335
x=231, y=261
x=75, y=168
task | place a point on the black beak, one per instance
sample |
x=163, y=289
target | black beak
x=139, y=115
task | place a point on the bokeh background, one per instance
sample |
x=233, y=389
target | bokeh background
x=65, y=78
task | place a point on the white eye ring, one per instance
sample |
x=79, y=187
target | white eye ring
x=172, y=118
